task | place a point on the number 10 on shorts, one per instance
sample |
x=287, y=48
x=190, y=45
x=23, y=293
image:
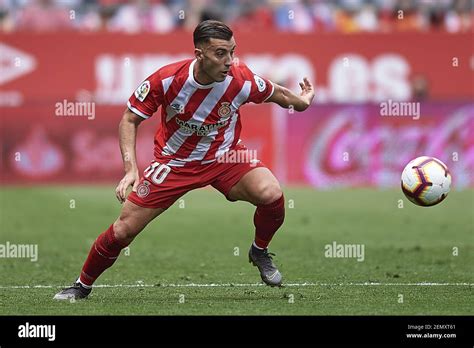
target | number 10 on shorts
x=159, y=171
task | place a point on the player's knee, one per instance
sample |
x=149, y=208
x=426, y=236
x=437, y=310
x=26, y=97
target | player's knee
x=269, y=193
x=123, y=231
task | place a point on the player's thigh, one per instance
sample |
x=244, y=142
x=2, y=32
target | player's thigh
x=161, y=185
x=133, y=219
x=258, y=186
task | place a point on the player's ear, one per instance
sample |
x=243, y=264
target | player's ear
x=198, y=53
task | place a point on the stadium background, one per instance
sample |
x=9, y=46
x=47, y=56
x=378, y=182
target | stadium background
x=357, y=53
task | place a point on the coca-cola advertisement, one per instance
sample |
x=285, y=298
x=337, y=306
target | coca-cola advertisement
x=357, y=145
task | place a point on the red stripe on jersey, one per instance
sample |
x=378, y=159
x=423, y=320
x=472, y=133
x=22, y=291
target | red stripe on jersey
x=183, y=90
x=217, y=142
x=211, y=154
x=170, y=127
x=238, y=127
x=178, y=68
x=212, y=118
x=178, y=82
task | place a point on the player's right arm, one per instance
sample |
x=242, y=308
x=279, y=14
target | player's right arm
x=263, y=90
x=286, y=98
x=142, y=104
x=127, y=138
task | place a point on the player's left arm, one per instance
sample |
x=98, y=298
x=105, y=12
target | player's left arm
x=286, y=98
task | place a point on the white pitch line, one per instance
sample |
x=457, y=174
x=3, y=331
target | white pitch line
x=226, y=285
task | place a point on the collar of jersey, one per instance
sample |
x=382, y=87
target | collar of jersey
x=194, y=82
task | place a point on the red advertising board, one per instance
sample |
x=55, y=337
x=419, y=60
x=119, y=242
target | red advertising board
x=353, y=145
x=46, y=68
x=41, y=71
x=40, y=147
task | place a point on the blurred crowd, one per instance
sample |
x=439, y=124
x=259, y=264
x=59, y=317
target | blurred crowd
x=301, y=16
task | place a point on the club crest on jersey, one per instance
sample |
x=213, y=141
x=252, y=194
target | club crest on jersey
x=224, y=110
x=142, y=90
x=261, y=85
x=143, y=189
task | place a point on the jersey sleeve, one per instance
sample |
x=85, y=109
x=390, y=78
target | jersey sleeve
x=261, y=89
x=147, y=97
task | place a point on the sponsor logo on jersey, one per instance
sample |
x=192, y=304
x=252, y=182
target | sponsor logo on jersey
x=142, y=91
x=173, y=110
x=200, y=130
x=261, y=85
x=179, y=108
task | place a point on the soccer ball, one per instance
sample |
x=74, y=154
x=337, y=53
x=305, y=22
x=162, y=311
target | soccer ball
x=426, y=181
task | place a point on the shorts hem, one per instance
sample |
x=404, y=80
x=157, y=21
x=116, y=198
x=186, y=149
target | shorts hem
x=242, y=174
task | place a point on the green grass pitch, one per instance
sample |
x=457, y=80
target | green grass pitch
x=204, y=240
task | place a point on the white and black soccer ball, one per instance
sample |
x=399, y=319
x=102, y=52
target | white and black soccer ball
x=426, y=181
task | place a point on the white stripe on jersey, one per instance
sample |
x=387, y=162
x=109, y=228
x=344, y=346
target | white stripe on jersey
x=178, y=138
x=166, y=83
x=136, y=111
x=182, y=98
x=230, y=131
x=208, y=161
x=203, y=146
x=201, y=149
x=175, y=163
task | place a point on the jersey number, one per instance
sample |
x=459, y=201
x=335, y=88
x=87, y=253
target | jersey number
x=159, y=171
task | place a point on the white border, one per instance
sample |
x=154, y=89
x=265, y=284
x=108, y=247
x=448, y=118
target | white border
x=136, y=111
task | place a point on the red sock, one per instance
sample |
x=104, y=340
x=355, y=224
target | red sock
x=102, y=255
x=267, y=219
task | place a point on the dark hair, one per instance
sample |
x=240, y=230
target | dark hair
x=211, y=29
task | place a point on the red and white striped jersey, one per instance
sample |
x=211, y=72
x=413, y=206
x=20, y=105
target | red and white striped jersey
x=198, y=122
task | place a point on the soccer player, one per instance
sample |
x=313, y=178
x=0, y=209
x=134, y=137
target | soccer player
x=200, y=126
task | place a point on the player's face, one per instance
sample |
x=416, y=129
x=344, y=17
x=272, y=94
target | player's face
x=216, y=58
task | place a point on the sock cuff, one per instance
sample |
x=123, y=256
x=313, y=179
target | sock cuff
x=111, y=240
x=83, y=283
x=107, y=245
x=260, y=243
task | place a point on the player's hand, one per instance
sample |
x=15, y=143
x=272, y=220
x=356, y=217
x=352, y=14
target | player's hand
x=130, y=179
x=307, y=91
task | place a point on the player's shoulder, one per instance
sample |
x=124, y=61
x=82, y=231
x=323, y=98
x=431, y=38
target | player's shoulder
x=173, y=69
x=241, y=71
